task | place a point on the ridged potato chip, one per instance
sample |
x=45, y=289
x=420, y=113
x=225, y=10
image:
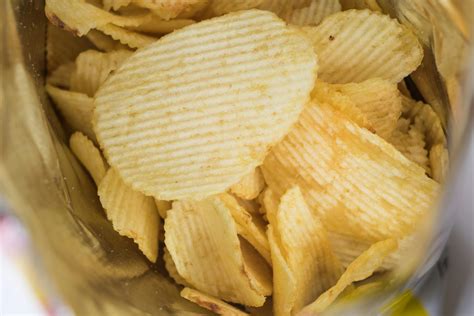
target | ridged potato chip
x=126, y=37
x=250, y=186
x=361, y=4
x=61, y=76
x=79, y=16
x=304, y=247
x=158, y=26
x=360, y=269
x=327, y=155
x=132, y=214
x=169, y=9
x=379, y=101
x=198, y=110
x=312, y=12
x=213, y=304
x=63, y=47
x=215, y=264
x=357, y=45
x=162, y=207
x=171, y=268
x=90, y=157
x=93, y=67
x=115, y=4
x=220, y=7
x=104, y=42
x=439, y=162
x=76, y=108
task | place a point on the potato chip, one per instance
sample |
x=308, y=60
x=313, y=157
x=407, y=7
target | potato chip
x=61, y=76
x=126, y=37
x=439, y=162
x=403, y=88
x=79, y=16
x=93, y=67
x=76, y=108
x=309, y=12
x=115, y=4
x=158, y=26
x=104, y=42
x=168, y=9
x=249, y=227
x=357, y=45
x=379, y=101
x=132, y=214
x=215, y=264
x=327, y=155
x=188, y=123
x=90, y=157
x=171, y=268
x=250, y=186
x=221, y=7
x=213, y=304
x=361, y=268
x=163, y=207
x=361, y=4
x=269, y=202
x=251, y=206
x=305, y=248
x=63, y=47
x=256, y=268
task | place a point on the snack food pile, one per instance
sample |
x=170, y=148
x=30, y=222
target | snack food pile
x=268, y=151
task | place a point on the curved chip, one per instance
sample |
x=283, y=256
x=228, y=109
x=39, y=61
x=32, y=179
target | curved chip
x=168, y=9
x=327, y=155
x=311, y=12
x=213, y=304
x=439, y=162
x=126, y=37
x=76, y=108
x=61, y=76
x=132, y=214
x=104, y=42
x=305, y=248
x=220, y=7
x=115, y=4
x=90, y=157
x=250, y=186
x=158, y=26
x=360, y=269
x=198, y=110
x=93, y=67
x=163, y=207
x=171, y=268
x=215, y=264
x=357, y=45
x=79, y=16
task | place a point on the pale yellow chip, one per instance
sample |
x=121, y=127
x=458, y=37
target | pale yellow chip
x=304, y=247
x=76, y=108
x=104, y=42
x=132, y=214
x=439, y=162
x=169, y=9
x=188, y=123
x=251, y=228
x=79, y=16
x=62, y=47
x=171, y=268
x=220, y=7
x=269, y=202
x=309, y=12
x=213, y=304
x=361, y=268
x=379, y=101
x=90, y=157
x=357, y=45
x=126, y=37
x=158, y=26
x=115, y=4
x=250, y=186
x=163, y=207
x=61, y=76
x=356, y=182
x=93, y=67
x=203, y=241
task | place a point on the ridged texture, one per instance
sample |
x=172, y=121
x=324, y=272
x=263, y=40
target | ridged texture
x=80, y=17
x=220, y=7
x=356, y=182
x=357, y=45
x=163, y=207
x=132, y=214
x=93, y=67
x=76, y=108
x=169, y=9
x=214, y=265
x=115, y=4
x=305, y=247
x=250, y=186
x=249, y=227
x=439, y=162
x=312, y=13
x=171, y=268
x=61, y=76
x=104, y=42
x=360, y=269
x=192, y=114
x=90, y=157
x=158, y=26
x=126, y=37
x=62, y=47
x=213, y=304
x=379, y=100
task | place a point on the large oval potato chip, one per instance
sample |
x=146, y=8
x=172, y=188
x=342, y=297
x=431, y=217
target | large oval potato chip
x=191, y=114
x=357, y=45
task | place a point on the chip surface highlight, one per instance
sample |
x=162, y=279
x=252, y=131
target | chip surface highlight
x=90, y=157
x=198, y=110
x=357, y=45
x=132, y=214
x=213, y=304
